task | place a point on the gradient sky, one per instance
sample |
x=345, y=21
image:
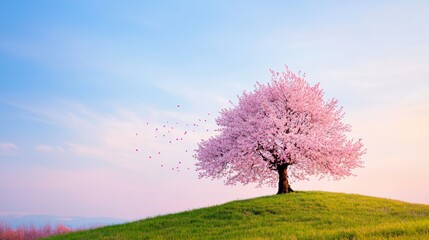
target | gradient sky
x=79, y=79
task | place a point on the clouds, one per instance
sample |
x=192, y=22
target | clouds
x=8, y=146
x=8, y=149
x=111, y=139
x=48, y=149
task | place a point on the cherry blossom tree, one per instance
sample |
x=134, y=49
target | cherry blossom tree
x=281, y=130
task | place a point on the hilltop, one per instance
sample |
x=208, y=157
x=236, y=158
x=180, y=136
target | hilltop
x=298, y=215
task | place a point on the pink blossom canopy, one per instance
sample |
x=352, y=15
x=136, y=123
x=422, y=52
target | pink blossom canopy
x=284, y=122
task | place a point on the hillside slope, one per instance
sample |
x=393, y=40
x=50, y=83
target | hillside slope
x=299, y=215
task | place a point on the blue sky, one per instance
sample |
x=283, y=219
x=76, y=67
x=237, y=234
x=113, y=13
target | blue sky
x=78, y=79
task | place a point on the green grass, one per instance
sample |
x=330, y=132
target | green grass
x=299, y=215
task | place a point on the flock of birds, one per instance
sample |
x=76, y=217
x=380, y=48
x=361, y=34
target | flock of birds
x=170, y=134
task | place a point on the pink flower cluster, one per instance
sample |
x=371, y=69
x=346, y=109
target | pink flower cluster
x=284, y=122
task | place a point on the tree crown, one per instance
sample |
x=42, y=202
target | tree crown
x=283, y=123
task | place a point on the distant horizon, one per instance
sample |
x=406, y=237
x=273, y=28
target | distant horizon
x=74, y=222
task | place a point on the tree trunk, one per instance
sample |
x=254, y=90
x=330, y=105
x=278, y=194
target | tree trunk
x=284, y=186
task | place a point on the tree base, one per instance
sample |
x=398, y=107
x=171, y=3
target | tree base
x=288, y=190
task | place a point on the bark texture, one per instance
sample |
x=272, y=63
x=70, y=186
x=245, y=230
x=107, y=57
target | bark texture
x=284, y=186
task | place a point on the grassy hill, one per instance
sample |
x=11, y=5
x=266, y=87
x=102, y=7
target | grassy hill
x=299, y=215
